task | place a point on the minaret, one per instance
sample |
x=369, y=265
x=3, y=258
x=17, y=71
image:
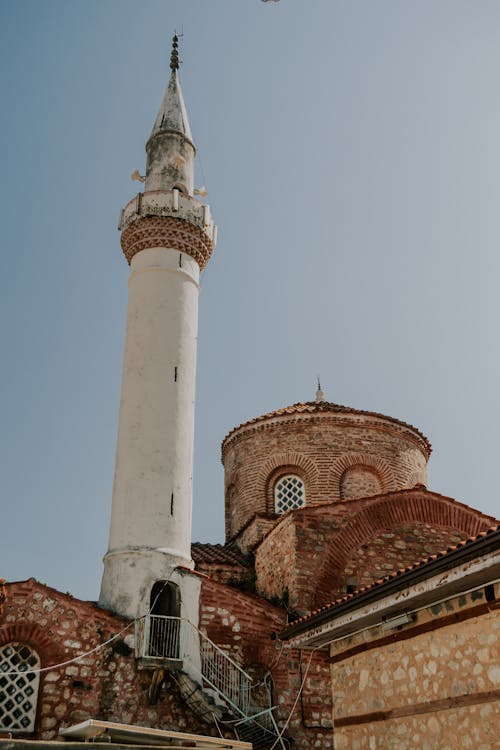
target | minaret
x=167, y=237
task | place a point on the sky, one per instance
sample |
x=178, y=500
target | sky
x=351, y=154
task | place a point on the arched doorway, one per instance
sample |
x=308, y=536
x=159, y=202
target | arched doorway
x=165, y=611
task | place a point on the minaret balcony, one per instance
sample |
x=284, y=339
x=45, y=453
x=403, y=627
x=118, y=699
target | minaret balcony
x=169, y=203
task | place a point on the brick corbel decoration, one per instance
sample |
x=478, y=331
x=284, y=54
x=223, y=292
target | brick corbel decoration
x=416, y=477
x=163, y=231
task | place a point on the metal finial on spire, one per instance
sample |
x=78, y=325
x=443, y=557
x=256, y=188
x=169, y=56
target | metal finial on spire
x=320, y=396
x=174, y=55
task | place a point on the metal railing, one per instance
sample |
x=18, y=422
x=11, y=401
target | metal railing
x=224, y=675
x=159, y=637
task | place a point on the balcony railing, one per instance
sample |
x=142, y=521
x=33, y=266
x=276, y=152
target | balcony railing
x=158, y=637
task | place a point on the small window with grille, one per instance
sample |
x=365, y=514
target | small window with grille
x=289, y=493
x=18, y=687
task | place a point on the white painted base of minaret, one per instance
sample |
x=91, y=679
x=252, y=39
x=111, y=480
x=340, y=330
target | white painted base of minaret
x=152, y=495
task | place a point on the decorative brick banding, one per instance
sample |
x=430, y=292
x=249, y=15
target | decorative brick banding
x=165, y=231
x=33, y=635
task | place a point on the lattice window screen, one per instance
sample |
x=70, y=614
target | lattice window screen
x=18, y=692
x=289, y=492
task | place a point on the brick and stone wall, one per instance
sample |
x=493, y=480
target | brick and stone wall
x=339, y=454
x=288, y=560
x=242, y=625
x=433, y=684
x=397, y=547
x=314, y=553
x=107, y=683
x=104, y=684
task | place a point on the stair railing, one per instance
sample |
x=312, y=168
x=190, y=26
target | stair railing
x=160, y=637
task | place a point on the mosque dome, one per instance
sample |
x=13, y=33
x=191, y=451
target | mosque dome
x=313, y=453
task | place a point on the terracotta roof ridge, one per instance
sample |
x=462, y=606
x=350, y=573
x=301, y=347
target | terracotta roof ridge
x=425, y=490
x=314, y=407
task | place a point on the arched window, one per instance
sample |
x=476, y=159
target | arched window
x=18, y=687
x=289, y=493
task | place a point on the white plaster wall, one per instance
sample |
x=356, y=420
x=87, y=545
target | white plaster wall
x=154, y=457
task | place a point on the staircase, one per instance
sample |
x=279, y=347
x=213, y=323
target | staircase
x=174, y=643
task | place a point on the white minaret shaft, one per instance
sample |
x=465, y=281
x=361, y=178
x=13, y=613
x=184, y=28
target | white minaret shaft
x=167, y=237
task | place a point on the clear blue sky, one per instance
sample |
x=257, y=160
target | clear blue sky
x=351, y=152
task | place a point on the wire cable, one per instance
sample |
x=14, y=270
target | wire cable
x=93, y=650
x=299, y=693
x=75, y=658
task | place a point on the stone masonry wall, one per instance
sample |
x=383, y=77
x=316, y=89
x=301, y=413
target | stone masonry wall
x=288, y=559
x=371, y=518
x=276, y=564
x=104, y=684
x=396, y=548
x=437, y=690
x=324, y=449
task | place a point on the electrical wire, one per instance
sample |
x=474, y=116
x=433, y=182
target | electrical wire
x=93, y=650
x=75, y=658
x=299, y=693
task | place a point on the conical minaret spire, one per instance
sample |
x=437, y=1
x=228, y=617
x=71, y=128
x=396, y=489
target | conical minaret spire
x=170, y=148
x=167, y=236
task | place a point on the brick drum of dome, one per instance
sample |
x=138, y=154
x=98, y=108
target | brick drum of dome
x=339, y=454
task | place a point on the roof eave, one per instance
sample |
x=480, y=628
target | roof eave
x=478, y=549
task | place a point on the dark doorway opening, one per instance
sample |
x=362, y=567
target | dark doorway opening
x=165, y=610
